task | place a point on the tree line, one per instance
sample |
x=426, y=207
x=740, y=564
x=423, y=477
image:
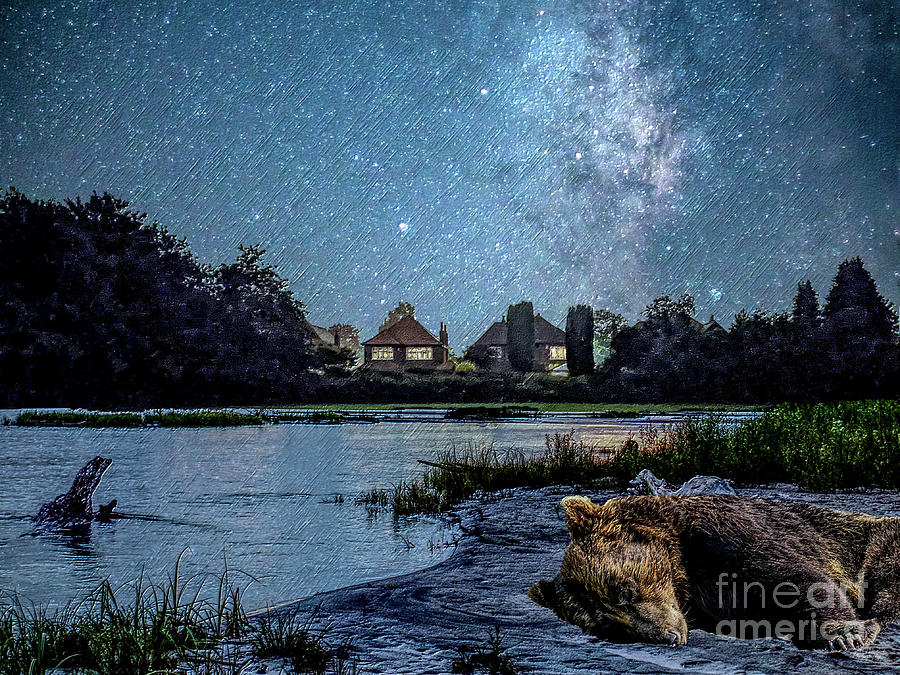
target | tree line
x=99, y=308
x=847, y=348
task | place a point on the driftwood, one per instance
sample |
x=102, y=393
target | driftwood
x=76, y=507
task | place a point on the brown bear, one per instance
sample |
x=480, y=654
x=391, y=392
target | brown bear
x=651, y=568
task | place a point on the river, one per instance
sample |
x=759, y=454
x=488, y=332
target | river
x=260, y=499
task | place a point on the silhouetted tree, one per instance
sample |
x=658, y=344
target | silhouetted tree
x=860, y=331
x=579, y=340
x=403, y=309
x=806, y=305
x=99, y=308
x=520, y=336
x=664, y=308
x=267, y=328
x=854, y=307
x=757, y=355
x=804, y=373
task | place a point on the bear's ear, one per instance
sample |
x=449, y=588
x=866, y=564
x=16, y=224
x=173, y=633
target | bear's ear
x=581, y=515
x=544, y=594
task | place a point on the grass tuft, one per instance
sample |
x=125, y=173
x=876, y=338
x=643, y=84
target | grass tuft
x=489, y=657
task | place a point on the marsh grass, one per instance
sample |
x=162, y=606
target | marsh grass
x=76, y=419
x=185, y=419
x=145, y=628
x=820, y=447
x=291, y=636
x=461, y=472
x=488, y=657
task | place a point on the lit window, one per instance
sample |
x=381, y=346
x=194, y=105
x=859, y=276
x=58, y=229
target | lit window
x=557, y=353
x=418, y=353
x=382, y=353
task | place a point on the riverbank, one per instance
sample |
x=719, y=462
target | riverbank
x=420, y=622
x=351, y=414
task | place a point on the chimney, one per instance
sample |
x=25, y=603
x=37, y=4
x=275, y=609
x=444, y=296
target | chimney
x=337, y=338
x=444, y=338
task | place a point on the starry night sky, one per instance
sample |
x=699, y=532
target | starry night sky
x=464, y=155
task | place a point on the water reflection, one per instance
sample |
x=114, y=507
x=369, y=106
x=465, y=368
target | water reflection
x=75, y=541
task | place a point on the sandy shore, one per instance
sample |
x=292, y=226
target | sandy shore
x=416, y=623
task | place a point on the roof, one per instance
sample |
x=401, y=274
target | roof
x=713, y=325
x=495, y=335
x=309, y=329
x=544, y=332
x=407, y=332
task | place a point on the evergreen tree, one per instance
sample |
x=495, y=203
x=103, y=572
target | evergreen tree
x=520, y=336
x=854, y=307
x=860, y=334
x=579, y=340
x=806, y=305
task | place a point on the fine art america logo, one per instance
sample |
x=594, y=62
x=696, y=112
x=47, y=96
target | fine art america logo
x=784, y=596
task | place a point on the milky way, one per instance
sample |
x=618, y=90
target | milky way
x=465, y=155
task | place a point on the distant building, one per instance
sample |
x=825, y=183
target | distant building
x=713, y=327
x=491, y=350
x=407, y=345
x=334, y=339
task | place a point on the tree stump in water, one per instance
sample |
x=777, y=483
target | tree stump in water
x=76, y=506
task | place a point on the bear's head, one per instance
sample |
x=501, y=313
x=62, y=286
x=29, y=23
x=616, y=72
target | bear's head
x=618, y=581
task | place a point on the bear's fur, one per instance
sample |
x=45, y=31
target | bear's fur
x=650, y=568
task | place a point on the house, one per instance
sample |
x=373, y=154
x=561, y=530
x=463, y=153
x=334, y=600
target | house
x=332, y=343
x=407, y=345
x=491, y=350
x=339, y=336
x=713, y=327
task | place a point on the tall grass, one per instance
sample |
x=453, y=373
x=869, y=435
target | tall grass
x=145, y=628
x=461, y=472
x=820, y=447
